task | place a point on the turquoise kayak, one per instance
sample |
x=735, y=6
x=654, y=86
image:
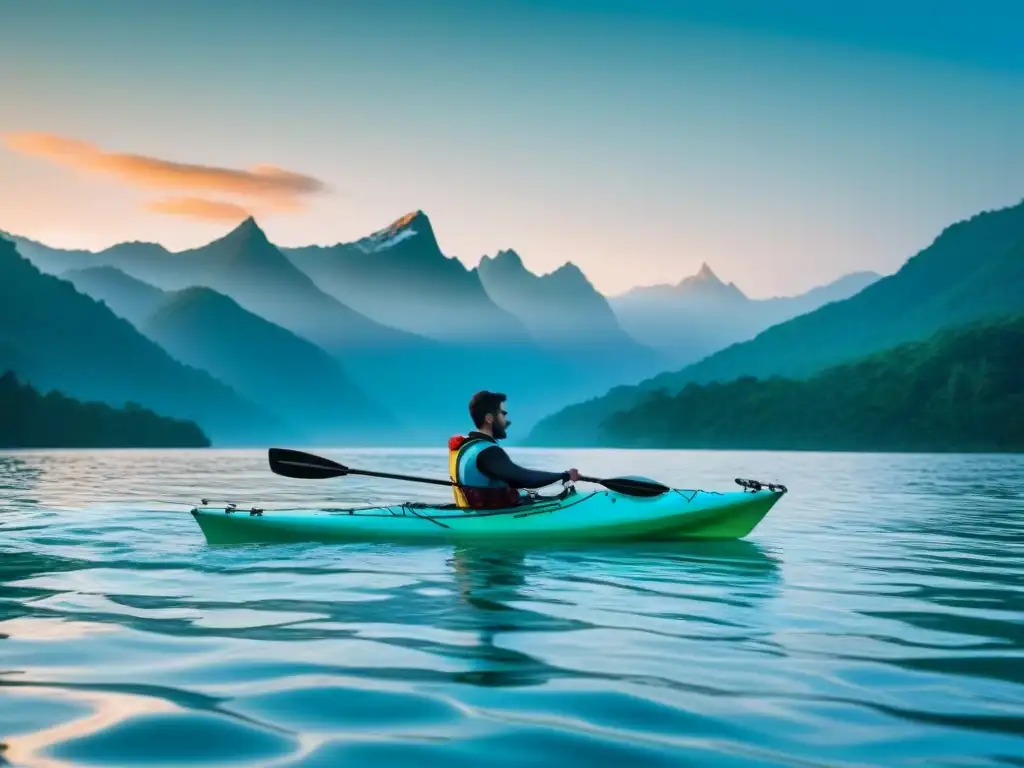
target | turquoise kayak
x=590, y=516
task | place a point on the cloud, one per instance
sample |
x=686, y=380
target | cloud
x=281, y=189
x=199, y=208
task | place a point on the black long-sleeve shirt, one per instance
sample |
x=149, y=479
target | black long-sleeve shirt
x=496, y=464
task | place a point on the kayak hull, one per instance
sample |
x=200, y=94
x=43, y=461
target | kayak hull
x=598, y=516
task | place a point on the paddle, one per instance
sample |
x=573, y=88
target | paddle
x=307, y=466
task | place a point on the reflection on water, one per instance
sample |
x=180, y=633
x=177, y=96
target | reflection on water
x=875, y=618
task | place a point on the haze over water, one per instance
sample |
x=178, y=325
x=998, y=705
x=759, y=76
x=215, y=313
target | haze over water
x=875, y=617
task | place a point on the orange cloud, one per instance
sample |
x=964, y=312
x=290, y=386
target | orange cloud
x=199, y=208
x=281, y=188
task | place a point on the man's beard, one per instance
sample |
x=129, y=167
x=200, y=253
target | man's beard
x=500, y=431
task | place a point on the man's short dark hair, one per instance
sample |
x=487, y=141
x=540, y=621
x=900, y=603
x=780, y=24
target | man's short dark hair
x=482, y=403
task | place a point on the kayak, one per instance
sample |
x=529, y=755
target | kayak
x=590, y=516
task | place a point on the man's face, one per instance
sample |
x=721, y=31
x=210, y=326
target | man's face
x=500, y=424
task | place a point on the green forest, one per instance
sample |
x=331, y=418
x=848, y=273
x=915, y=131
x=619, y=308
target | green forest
x=961, y=390
x=30, y=419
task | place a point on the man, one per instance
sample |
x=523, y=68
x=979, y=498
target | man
x=477, y=460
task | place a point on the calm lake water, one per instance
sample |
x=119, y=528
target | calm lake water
x=876, y=617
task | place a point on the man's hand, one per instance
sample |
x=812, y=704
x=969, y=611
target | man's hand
x=574, y=475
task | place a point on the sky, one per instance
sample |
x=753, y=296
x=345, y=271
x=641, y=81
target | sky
x=784, y=143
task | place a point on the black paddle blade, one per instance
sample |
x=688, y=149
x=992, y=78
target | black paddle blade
x=630, y=486
x=305, y=466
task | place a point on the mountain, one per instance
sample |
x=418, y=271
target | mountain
x=242, y=264
x=560, y=307
x=200, y=327
x=146, y=261
x=399, y=276
x=269, y=365
x=565, y=313
x=29, y=419
x=842, y=288
x=127, y=297
x=972, y=270
x=58, y=338
x=429, y=380
x=701, y=314
x=961, y=390
x=705, y=287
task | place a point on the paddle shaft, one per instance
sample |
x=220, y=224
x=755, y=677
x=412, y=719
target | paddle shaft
x=321, y=468
x=410, y=478
x=338, y=470
x=390, y=476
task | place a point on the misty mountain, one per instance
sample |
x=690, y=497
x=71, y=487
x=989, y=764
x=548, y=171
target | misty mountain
x=515, y=321
x=973, y=270
x=269, y=365
x=148, y=262
x=274, y=368
x=244, y=265
x=127, y=297
x=430, y=379
x=559, y=307
x=55, y=337
x=701, y=314
x=399, y=276
x=564, y=312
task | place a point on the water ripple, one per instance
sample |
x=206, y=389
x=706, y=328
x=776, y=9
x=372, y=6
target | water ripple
x=875, y=618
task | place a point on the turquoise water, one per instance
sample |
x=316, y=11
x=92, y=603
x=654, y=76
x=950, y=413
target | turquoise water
x=876, y=617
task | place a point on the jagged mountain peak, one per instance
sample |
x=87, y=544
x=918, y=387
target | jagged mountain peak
x=248, y=229
x=415, y=224
x=505, y=261
x=706, y=283
x=408, y=220
x=570, y=277
x=248, y=237
x=569, y=269
x=704, y=275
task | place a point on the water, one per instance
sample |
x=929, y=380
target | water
x=876, y=617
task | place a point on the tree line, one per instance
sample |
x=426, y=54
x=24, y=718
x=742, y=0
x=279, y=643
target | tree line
x=31, y=419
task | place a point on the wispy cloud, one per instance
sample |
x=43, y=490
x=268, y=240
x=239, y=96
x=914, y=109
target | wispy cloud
x=199, y=208
x=275, y=188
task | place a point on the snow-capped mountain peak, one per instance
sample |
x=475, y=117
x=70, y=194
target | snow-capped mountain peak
x=409, y=225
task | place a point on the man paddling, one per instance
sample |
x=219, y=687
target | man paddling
x=489, y=479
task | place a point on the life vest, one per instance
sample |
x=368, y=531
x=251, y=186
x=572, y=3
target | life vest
x=478, y=491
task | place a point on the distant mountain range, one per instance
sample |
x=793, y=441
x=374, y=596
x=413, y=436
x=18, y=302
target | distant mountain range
x=399, y=276
x=384, y=339
x=561, y=309
x=974, y=269
x=541, y=337
x=446, y=339
x=53, y=337
x=701, y=314
x=132, y=299
x=272, y=367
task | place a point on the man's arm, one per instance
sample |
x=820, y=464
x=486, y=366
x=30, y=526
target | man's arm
x=495, y=464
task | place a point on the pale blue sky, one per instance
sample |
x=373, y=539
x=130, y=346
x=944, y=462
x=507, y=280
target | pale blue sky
x=635, y=138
